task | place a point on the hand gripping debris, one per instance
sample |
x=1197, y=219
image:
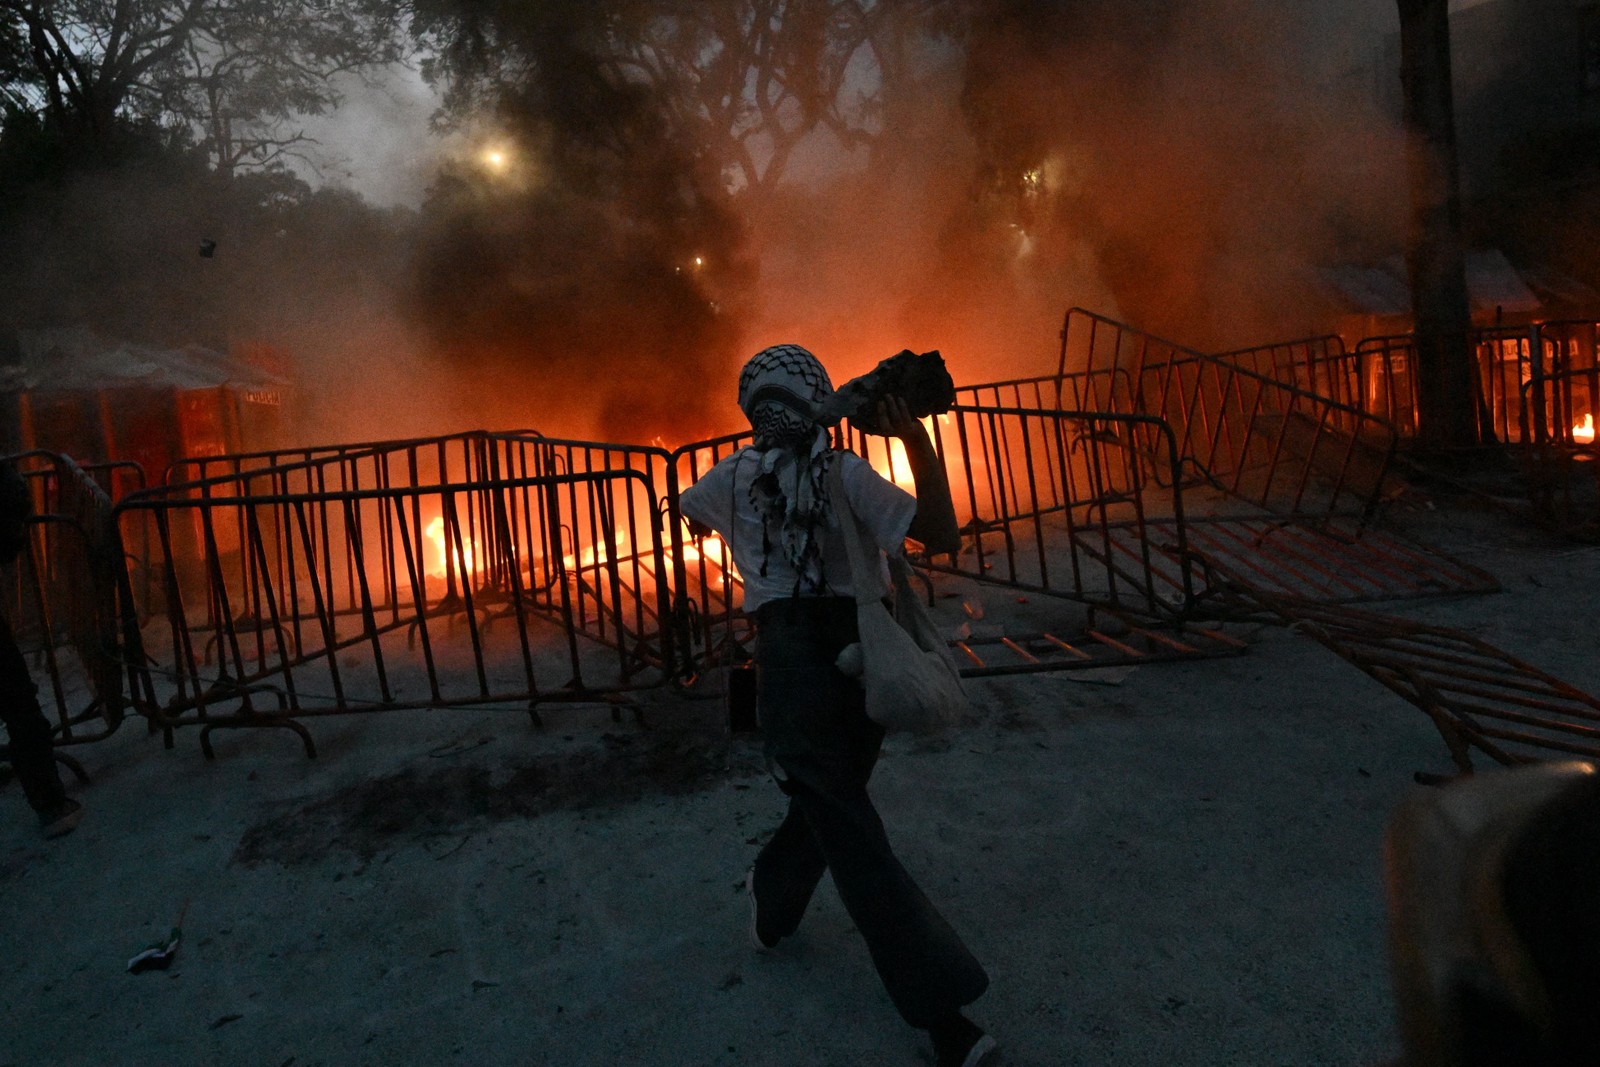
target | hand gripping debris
x=920, y=380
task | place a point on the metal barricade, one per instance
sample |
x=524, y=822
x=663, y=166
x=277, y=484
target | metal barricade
x=708, y=594
x=1319, y=365
x=1537, y=387
x=1385, y=373
x=286, y=591
x=1380, y=378
x=1563, y=465
x=1564, y=385
x=1281, y=480
x=620, y=567
x=1068, y=504
x=1266, y=442
x=67, y=600
x=447, y=457
x=1480, y=698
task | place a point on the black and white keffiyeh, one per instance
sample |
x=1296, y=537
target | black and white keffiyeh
x=780, y=391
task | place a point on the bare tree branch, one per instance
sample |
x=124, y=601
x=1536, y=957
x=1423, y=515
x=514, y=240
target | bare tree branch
x=228, y=69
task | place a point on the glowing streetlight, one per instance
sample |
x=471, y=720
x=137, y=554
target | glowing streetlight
x=495, y=160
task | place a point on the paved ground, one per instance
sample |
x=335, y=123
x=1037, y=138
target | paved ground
x=1182, y=868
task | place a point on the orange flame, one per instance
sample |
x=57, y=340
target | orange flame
x=1583, y=432
x=597, y=553
x=709, y=554
x=465, y=564
x=893, y=465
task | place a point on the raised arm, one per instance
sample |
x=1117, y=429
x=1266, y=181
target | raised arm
x=935, y=521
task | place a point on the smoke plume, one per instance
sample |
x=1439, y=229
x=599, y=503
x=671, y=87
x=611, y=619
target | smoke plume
x=1196, y=151
x=579, y=281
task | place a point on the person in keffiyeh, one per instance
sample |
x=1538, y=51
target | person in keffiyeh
x=770, y=502
x=780, y=391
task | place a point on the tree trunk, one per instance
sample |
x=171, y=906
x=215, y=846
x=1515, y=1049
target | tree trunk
x=1436, y=258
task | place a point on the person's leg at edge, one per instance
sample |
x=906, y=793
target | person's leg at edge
x=29, y=737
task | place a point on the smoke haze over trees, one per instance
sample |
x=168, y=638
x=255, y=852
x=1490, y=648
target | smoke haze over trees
x=230, y=74
x=643, y=193
x=597, y=239
x=649, y=143
x=1185, y=146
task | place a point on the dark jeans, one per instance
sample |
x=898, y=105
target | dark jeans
x=28, y=730
x=822, y=748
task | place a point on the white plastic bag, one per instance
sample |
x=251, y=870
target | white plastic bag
x=904, y=664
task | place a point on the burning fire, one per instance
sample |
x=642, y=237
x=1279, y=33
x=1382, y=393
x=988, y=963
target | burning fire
x=466, y=563
x=709, y=554
x=894, y=466
x=597, y=552
x=1583, y=432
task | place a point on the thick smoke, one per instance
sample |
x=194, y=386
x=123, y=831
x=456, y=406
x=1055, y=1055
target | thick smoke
x=902, y=250
x=1196, y=148
x=1182, y=166
x=308, y=276
x=589, y=283
x=1186, y=167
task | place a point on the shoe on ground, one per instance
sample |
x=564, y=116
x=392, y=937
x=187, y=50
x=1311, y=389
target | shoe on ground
x=960, y=1043
x=61, y=819
x=757, y=941
x=983, y=1051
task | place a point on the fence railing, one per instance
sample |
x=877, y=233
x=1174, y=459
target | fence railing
x=512, y=568
x=280, y=602
x=621, y=565
x=1565, y=382
x=1079, y=505
x=459, y=456
x=1260, y=440
x=1535, y=388
x=1319, y=365
x=707, y=592
x=1534, y=384
x=417, y=573
x=1063, y=502
x=1382, y=372
x=67, y=598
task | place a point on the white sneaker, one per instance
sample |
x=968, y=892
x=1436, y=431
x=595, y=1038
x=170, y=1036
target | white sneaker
x=756, y=941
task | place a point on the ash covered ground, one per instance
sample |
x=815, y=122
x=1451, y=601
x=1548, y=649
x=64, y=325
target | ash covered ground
x=1177, y=864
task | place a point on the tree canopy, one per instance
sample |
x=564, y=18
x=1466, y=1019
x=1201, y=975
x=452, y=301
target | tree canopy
x=741, y=82
x=230, y=75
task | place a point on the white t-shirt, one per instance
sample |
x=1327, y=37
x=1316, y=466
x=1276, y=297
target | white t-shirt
x=721, y=500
